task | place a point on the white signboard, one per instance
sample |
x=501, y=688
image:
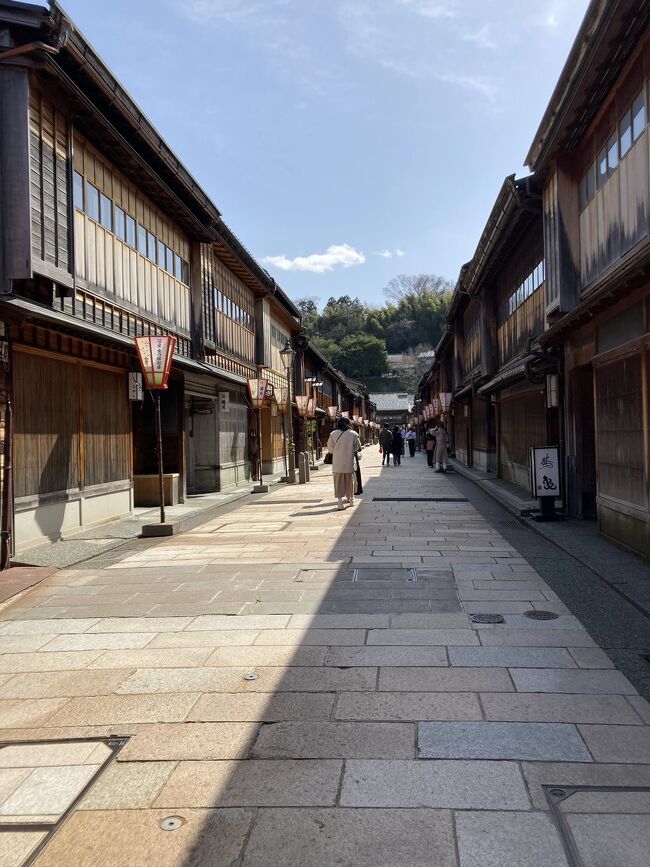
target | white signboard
x=136, y=391
x=224, y=401
x=545, y=471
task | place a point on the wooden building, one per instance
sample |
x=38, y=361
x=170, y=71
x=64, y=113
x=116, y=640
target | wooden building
x=591, y=157
x=104, y=235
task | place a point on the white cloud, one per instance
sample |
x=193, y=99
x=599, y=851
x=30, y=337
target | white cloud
x=230, y=11
x=480, y=37
x=475, y=83
x=551, y=14
x=430, y=8
x=388, y=254
x=336, y=255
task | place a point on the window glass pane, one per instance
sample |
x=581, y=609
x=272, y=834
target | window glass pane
x=106, y=212
x=130, y=231
x=591, y=185
x=638, y=116
x=178, y=266
x=92, y=201
x=625, y=133
x=169, y=260
x=602, y=167
x=612, y=152
x=151, y=246
x=142, y=240
x=161, y=254
x=186, y=273
x=120, y=223
x=78, y=190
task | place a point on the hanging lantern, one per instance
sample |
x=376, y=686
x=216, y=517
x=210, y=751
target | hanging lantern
x=345, y=414
x=445, y=400
x=332, y=412
x=302, y=404
x=311, y=408
x=257, y=392
x=281, y=394
x=436, y=406
x=155, y=354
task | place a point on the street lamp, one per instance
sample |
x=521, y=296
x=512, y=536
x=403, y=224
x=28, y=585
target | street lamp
x=287, y=355
x=257, y=393
x=155, y=355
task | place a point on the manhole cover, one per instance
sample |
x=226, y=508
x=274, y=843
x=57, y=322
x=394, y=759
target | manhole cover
x=33, y=804
x=486, y=618
x=602, y=824
x=541, y=615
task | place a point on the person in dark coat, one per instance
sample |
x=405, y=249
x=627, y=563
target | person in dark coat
x=397, y=446
x=430, y=445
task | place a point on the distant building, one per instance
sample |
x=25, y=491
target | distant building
x=393, y=408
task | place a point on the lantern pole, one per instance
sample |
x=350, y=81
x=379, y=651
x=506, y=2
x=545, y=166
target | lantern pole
x=161, y=487
x=259, y=438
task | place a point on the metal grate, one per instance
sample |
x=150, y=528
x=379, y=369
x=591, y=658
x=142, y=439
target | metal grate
x=541, y=615
x=370, y=574
x=486, y=618
x=514, y=525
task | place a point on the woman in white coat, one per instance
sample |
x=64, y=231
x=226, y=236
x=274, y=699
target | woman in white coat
x=441, y=449
x=343, y=443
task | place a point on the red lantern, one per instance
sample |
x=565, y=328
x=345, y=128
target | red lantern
x=155, y=353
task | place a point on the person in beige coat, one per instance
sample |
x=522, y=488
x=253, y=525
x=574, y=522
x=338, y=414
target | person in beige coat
x=344, y=444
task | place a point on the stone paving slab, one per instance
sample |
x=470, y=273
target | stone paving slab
x=407, y=706
x=552, y=707
x=208, y=838
x=335, y=740
x=616, y=743
x=255, y=783
x=386, y=655
x=365, y=838
x=265, y=707
x=499, y=839
x=128, y=786
x=445, y=680
x=501, y=740
x=522, y=657
x=458, y=785
x=557, y=680
x=118, y=709
x=513, y=637
x=411, y=637
x=195, y=742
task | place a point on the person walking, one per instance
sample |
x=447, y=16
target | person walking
x=398, y=446
x=410, y=439
x=344, y=444
x=429, y=446
x=441, y=451
x=386, y=442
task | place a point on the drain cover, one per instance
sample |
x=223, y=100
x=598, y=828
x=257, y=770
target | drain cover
x=541, y=615
x=486, y=618
x=171, y=823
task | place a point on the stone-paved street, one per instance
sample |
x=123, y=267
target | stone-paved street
x=304, y=687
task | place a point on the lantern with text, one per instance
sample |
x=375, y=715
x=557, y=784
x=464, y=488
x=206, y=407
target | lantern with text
x=436, y=406
x=445, y=400
x=281, y=394
x=155, y=354
x=345, y=414
x=302, y=404
x=311, y=408
x=257, y=393
x=332, y=412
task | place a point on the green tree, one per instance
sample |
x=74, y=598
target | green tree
x=361, y=355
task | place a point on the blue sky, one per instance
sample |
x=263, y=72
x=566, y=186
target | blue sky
x=344, y=141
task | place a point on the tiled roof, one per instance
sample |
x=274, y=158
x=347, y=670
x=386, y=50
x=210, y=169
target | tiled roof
x=395, y=401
